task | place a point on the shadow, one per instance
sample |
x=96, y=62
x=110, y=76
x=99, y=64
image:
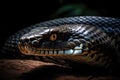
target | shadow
x=52, y=72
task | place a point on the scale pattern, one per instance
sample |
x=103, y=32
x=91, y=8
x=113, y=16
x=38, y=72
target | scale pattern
x=110, y=26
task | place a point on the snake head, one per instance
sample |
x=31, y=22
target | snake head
x=77, y=43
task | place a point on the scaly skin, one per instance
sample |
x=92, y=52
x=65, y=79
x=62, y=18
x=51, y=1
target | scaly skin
x=101, y=35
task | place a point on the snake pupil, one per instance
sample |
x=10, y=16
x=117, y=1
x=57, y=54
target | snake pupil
x=53, y=37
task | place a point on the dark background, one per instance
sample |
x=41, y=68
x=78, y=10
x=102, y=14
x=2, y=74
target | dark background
x=19, y=14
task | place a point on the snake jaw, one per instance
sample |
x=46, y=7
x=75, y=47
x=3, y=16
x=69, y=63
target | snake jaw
x=90, y=58
x=77, y=55
x=31, y=50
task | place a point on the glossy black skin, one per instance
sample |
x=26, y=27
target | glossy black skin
x=109, y=26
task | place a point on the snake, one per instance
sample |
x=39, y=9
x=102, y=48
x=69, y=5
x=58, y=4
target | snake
x=91, y=40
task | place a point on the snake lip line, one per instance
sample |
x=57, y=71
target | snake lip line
x=26, y=49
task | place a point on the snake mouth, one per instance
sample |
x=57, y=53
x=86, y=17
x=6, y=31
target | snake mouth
x=29, y=50
x=75, y=55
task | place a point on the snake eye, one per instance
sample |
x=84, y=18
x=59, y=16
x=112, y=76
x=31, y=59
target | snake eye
x=53, y=37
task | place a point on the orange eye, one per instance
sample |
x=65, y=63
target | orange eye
x=53, y=37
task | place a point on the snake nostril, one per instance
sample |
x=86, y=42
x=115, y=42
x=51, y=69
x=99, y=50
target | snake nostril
x=31, y=39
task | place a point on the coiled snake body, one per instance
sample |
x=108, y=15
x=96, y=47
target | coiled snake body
x=89, y=40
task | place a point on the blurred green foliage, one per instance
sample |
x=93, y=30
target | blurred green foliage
x=75, y=9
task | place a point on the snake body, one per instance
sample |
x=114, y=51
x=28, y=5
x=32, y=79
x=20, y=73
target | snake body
x=91, y=40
